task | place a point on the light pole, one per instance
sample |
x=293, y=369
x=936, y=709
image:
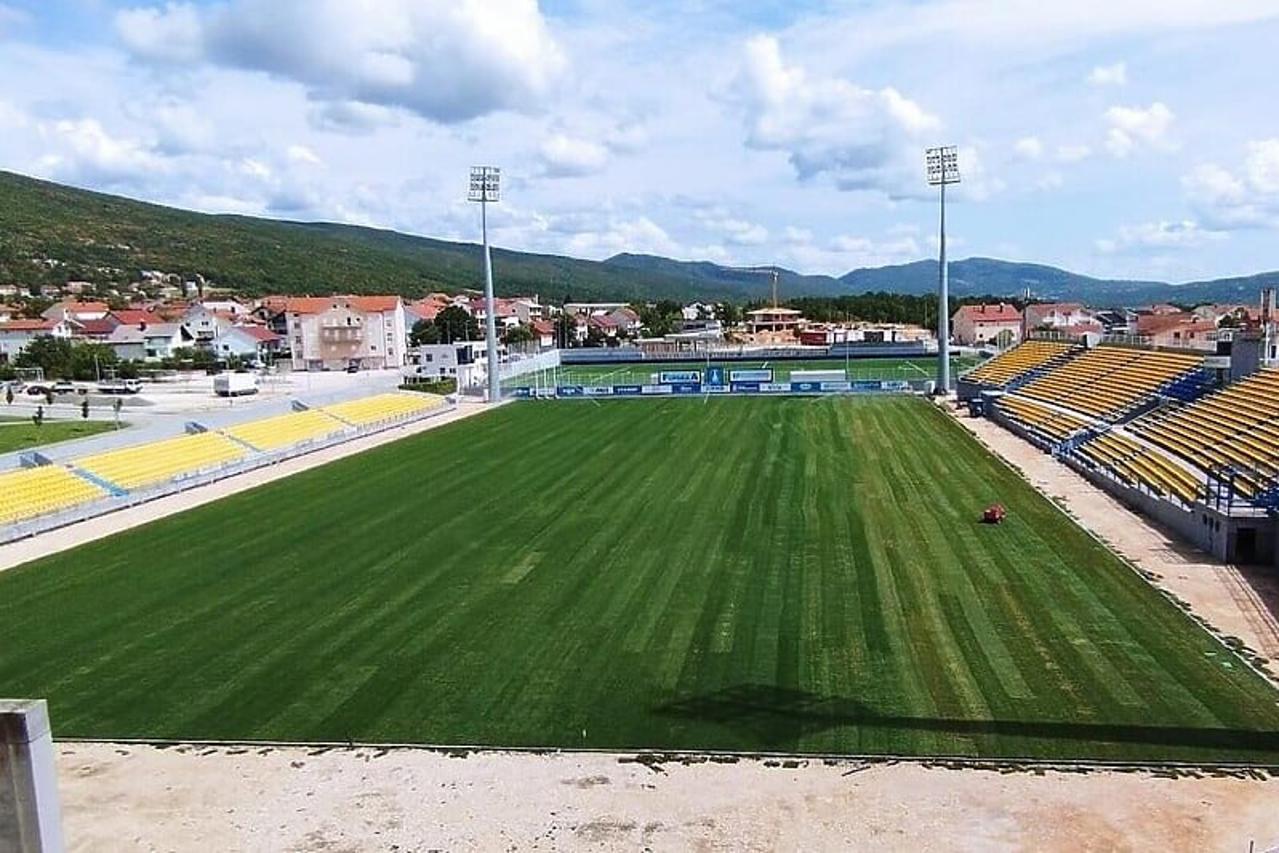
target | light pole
x=943, y=168
x=485, y=188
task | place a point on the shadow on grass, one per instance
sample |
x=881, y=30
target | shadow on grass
x=778, y=718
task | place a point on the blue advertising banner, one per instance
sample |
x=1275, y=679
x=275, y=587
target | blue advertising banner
x=521, y=391
x=806, y=387
x=686, y=388
x=714, y=376
x=568, y=391
x=837, y=387
x=865, y=385
x=744, y=387
x=627, y=390
x=598, y=390
x=774, y=387
x=655, y=389
x=760, y=375
x=673, y=377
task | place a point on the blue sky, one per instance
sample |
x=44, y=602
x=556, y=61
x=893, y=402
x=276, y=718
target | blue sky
x=1128, y=139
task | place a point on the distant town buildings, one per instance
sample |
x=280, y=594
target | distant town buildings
x=999, y=323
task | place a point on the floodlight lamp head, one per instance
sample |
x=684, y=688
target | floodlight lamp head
x=942, y=165
x=485, y=184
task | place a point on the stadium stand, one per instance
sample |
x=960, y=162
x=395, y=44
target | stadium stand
x=1051, y=423
x=32, y=492
x=285, y=430
x=1136, y=464
x=1016, y=362
x=1108, y=381
x=1237, y=427
x=383, y=407
x=159, y=461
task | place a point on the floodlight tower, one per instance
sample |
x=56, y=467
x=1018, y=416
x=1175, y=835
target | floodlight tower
x=943, y=168
x=485, y=188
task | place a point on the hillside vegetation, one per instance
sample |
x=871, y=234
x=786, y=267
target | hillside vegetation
x=103, y=238
x=50, y=234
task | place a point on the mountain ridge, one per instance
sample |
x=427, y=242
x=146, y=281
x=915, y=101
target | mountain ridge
x=51, y=233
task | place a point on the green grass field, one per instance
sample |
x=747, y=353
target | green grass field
x=18, y=434
x=753, y=574
x=642, y=374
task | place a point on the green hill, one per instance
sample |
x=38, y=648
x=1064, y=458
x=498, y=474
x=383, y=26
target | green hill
x=51, y=234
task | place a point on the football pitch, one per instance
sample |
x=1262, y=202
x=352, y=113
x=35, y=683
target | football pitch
x=779, y=574
x=643, y=373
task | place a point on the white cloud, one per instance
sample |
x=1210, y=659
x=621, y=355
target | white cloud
x=1050, y=181
x=1109, y=75
x=1029, y=148
x=861, y=139
x=1073, y=153
x=352, y=117
x=1131, y=127
x=83, y=151
x=1159, y=236
x=302, y=154
x=639, y=234
x=1245, y=198
x=740, y=232
x=845, y=252
x=445, y=60
x=566, y=156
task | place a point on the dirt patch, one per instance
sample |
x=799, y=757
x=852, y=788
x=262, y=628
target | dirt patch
x=291, y=799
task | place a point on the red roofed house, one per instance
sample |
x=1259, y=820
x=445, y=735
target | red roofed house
x=1181, y=330
x=506, y=314
x=16, y=334
x=981, y=324
x=256, y=343
x=134, y=317
x=1061, y=316
x=332, y=332
x=68, y=309
x=95, y=330
x=544, y=332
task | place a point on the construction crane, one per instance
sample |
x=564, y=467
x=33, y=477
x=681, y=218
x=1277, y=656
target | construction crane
x=771, y=271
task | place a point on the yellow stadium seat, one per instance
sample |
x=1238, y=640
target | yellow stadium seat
x=160, y=461
x=383, y=407
x=285, y=430
x=31, y=492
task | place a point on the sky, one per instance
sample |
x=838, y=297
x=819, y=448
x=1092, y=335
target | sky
x=1133, y=139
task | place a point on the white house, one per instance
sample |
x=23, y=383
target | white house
x=466, y=361
x=16, y=334
x=206, y=324
x=333, y=332
x=248, y=342
x=149, y=341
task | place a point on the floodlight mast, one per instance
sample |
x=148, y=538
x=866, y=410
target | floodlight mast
x=485, y=188
x=769, y=271
x=943, y=168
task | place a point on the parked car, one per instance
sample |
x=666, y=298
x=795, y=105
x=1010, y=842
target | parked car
x=63, y=386
x=119, y=386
